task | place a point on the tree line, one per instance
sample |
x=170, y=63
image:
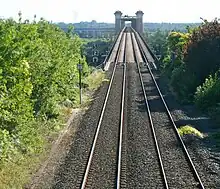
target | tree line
x=150, y=27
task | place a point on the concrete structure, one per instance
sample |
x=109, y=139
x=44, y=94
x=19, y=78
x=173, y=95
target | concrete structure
x=118, y=21
x=139, y=22
x=136, y=21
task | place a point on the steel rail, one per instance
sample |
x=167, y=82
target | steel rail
x=148, y=48
x=151, y=120
x=121, y=120
x=196, y=175
x=83, y=184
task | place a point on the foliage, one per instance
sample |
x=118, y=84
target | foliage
x=192, y=64
x=38, y=71
x=176, y=42
x=174, y=66
x=188, y=129
x=192, y=57
x=208, y=94
x=180, y=27
x=175, y=45
x=150, y=27
x=202, y=50
x=181, y=83
x=38, y=88
x=16, y=173
x=157, y=41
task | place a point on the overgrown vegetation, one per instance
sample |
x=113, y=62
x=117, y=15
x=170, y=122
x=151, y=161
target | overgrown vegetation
x=95, y=79
x=38, y=75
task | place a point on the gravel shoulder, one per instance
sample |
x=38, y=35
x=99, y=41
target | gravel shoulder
x=176, y=166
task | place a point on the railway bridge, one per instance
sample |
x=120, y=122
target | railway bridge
x=110, y=32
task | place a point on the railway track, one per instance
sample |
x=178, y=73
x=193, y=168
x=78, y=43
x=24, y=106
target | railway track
x=176, y=167
x=133, y=145
x=105, y=164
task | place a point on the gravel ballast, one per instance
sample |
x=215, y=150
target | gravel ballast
x=102, y=172
x=140, y=166
x=177, y=169
x=103, y=167
x=143, y=170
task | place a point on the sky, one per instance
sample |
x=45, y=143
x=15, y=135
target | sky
x=72, y=11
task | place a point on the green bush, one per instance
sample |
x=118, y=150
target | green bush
x=183, y=82
x=38, y=80
x=175, y=69
x=208, y=94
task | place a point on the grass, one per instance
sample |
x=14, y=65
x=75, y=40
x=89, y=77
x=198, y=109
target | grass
x=15, y=174
x=92, y=82
x=188, y=129
x=95, y=79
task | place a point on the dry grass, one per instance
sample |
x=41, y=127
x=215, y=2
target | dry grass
x=18, y=171
x=14, y=175
x=95, y=79
x=65, y=113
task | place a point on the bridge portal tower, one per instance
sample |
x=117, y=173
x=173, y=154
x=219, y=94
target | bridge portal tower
x=139, y=22
x=118, y=21
x=136, y=21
